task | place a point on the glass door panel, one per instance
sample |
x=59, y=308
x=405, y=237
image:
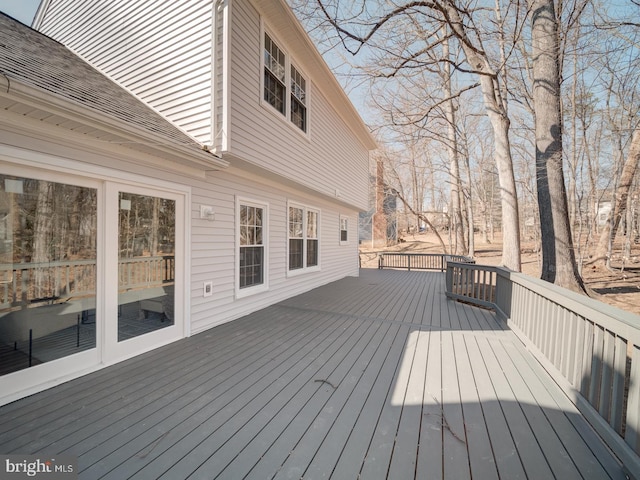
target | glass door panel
x=48, y=271
x=146, y=264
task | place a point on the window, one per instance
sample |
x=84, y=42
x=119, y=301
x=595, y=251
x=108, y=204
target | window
x=303, y=238
x=344, y=229
x=298, y=100
x=252, y=235
x=274, y=75
x=281, y=75
x=312, y=239
x=296, y=238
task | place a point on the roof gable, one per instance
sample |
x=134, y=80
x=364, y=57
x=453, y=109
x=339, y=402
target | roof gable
x=30, y=58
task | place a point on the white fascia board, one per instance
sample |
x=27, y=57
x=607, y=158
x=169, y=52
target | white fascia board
x=37, y=98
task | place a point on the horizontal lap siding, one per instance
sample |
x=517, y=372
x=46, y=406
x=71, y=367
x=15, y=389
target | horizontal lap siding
x=169, y=44
x=170, y=48
x=214, y=256
x=162, y=51
x=213, y=243
x=329, y=159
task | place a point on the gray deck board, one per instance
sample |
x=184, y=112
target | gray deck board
x=376, y=377
x=185, y=434
x=504, y=450
x=194, y=406
x=429, y=458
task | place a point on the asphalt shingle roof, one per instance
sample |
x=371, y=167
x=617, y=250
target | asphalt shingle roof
x=34, y=59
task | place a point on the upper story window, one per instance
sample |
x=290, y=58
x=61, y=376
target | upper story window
x=285, y=87
x=274, y=75
x=298, y=99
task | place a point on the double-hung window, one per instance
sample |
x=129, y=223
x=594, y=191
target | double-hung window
x=285, y=87
x=303, y=237
x=298, y=99
x=252, y=222
x=274, y=76
x=344, y=229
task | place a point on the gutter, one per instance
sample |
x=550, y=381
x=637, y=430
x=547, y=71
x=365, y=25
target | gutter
x=199, y=154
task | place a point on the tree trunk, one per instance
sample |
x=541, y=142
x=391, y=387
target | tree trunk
x=459, y=245
x=622, y=192
x=489, y=85
x=558, y=257
x=43, y=236
x=155, y=226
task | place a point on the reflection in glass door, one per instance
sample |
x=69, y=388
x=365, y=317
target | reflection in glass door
x=48, y=271
x=146, y=264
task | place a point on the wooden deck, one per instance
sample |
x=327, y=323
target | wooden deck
x=372, y=377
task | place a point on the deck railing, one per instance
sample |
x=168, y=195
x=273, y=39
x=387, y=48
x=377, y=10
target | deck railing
x=27, y=283
x=592, y=350
x=418, y=261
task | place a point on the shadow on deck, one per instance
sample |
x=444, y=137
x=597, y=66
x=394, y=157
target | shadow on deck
x=372, y=377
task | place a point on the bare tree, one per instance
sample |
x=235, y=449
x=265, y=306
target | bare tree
x=43, y=235
x=558, y=257
x=621, y=197
x=460, y=247
x=359, y=28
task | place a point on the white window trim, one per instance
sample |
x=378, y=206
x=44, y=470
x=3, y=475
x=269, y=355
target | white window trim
x=305, y=269
x=287, y=97
x=347, y=218
x=248, y=291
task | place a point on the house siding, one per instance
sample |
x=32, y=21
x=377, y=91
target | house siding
x=170, y=47
x=164, y=55
x=213, y=243
x=330, y=159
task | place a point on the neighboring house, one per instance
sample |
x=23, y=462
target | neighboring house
x=603, y=211
x=235, y=183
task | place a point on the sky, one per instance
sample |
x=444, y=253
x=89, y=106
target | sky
x=22, y=10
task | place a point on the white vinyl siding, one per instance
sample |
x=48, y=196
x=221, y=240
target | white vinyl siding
x=214, y=258
x=329, y=159
x=160, y=51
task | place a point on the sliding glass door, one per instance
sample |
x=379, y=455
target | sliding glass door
x=91, y=272
x=48, y=274
x=145, y=257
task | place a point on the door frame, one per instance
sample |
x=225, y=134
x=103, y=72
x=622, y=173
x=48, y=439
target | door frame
x=38, y=165
x=39, y=377
x=114, y=350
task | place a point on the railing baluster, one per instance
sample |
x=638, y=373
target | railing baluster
x=606, y=383
x=617, y=392
x=77, y=278
x=632, y=433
